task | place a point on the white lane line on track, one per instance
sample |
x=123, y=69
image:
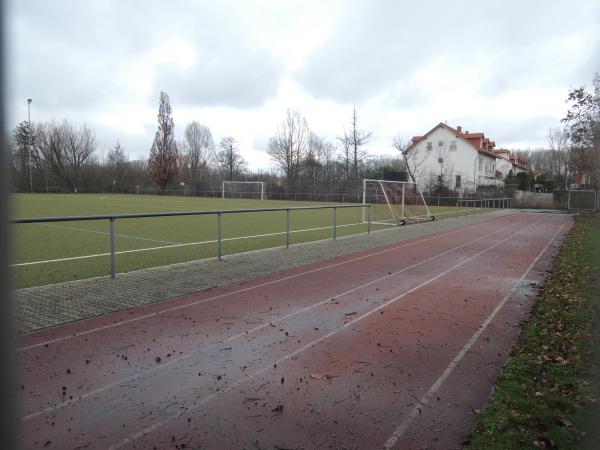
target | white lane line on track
x=249, y=288
x=414, y=413
x=234, y=385
x=246, y=333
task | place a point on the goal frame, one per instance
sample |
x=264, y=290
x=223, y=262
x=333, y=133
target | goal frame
x=402, y=219
x=261, y=183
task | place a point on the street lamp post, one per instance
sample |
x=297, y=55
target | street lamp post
x=30, y=180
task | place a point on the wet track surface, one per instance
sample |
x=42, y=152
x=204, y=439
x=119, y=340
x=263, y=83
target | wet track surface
x=355, y=352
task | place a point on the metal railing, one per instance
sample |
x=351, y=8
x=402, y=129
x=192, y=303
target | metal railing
x=218, y=213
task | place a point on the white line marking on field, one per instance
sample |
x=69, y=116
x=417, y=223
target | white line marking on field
x=186, y=244
x=414, y=413
x=250, y=331
x=249, y=288
x=73, y=258
x=105, y=233
x=160, y=423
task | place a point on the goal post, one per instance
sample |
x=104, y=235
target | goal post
x=243, y=189
x=395, y=202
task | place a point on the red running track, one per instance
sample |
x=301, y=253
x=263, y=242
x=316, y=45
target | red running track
x=391, y=347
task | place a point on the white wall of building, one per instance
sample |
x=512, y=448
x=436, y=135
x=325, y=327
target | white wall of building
x=444, y=154
x=505, y=166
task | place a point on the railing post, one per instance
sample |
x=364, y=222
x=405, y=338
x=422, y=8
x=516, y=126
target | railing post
x=369, y=220
x=287, y=229
x=334, y=223
x=112, y=248
x=219, y=236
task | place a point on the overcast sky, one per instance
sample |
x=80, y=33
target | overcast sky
x=500, y=67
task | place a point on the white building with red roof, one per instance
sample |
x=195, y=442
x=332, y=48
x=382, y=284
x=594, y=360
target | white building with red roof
x=455, y=158
x=510, y=163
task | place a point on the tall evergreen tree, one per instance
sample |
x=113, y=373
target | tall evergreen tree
x=163, y=161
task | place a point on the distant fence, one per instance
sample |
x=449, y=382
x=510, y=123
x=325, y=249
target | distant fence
x=574, y=200
x=539, y=200
x=520, y=199
x=583, y=200
x=333, y=197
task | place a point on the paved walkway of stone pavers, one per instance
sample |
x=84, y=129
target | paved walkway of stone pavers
x=46, y=306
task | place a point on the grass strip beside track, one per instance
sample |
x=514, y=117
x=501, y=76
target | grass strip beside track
x=546, y=395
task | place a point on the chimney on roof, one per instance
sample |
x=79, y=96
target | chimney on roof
x=459, y=129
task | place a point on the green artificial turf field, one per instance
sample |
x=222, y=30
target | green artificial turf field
x=43, y=253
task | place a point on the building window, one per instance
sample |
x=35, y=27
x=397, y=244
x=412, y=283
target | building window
x=440, y=143
x=440, y=160
x=458, y=180
x=452, y=146
x=429, y=146
x=480, y=163
x=440, y=179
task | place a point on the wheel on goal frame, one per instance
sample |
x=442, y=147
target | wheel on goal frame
x=431, y=218
x=401, y=222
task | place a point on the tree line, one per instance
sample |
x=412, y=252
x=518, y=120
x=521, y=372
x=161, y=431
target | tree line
x=63, y=157
x=60, y=156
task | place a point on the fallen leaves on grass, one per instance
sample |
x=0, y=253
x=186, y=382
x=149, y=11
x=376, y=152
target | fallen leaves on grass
x=543, y=387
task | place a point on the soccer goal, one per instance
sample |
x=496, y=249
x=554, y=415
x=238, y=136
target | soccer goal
x=394, y=202
x=244, y=189
x=583, y=200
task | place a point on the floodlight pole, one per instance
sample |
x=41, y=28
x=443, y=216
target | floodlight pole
x=30, y=180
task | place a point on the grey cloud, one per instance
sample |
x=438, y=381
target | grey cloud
x=405, y=95
x=382, y=42
x=507, y=132
x=69, y=56
x=136, y=145
x=261, y=142
x=243, y=78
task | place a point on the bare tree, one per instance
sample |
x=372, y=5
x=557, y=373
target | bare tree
x=558, y=141
x=413, y=159
x=346, y=155
x=320, y=160
x=353, y=141
x=229, y=159
x=163, y=161
x=117, y=165
x=199, y=151
x=64, y=149
x=19, y=155
x=80, y=146
x=289, y=145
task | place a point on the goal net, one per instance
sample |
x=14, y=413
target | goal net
x=583, y=200
x=244, y=189
x=394, y=202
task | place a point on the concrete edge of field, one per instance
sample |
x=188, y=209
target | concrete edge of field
x=47, y=306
